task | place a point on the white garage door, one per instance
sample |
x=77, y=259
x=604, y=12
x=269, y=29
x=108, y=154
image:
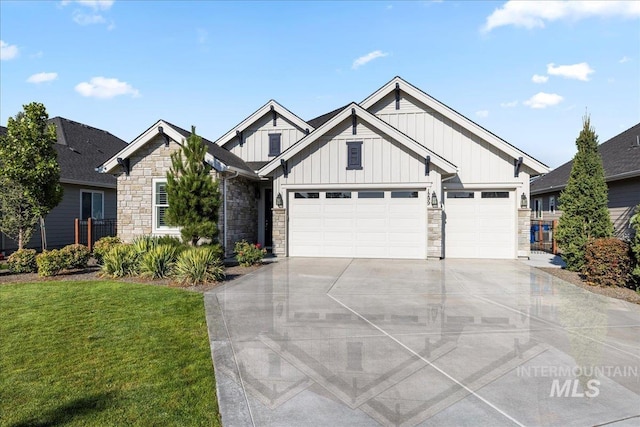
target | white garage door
x=359, y=224
x=480, y=224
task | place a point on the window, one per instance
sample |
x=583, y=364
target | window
x=339, y=195
x=537, y=207
x=306, y=195
x=160, y=205
x=552, y=204
x=371, y=195
x=404, y=194
x=91, y=204
x=354, y=155
x=460, y=195
x=274, y=144
x=495, y=195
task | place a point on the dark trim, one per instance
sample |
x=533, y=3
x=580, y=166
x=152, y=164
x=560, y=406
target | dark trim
x=125, y=163
x=397, y=91
x=352, y=164
x=275, y=115
x=427, y=165
x=285, y=167
x=275, y=144
x=240, y=136
x=354, y=122
x=516, y=166
x=306, y=131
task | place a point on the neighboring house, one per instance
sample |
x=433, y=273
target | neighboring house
x=87, y=193
x=621, y=162
x=399, y=175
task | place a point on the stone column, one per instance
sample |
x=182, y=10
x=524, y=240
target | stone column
x=524, y=233
x=434, y=233
x=279, y=231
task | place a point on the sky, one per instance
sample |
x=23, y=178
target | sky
x=526, y=71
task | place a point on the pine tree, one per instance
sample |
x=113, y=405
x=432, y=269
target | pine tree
x=193, y=195
x=583, y=201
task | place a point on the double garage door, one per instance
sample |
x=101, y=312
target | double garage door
x=359, y=224
x=480, y=224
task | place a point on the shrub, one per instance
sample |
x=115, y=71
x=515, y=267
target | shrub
x=168, y=240
x=23, y=261
x=158, y=262
x=607, y=262
x=51, y=262
x=199, y=265
x=76, y=256
x=120, y=261
x=635, y=244
x=144, y=244
x=103, y=246
x=248, y=254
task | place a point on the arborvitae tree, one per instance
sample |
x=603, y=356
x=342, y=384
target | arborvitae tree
x=583, y=201
x=29, y=162
x=193, y=195
x=635, y=244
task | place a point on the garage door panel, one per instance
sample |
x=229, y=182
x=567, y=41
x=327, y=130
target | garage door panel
x=358, y=227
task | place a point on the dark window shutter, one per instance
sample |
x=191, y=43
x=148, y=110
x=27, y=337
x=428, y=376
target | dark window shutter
x=354, y=155
x=274, y=144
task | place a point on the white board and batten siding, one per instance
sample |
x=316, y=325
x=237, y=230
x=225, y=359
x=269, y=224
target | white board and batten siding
x=477, y=160
x=255, y=147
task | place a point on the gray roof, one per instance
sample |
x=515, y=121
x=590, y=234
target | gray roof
x=225, y=156
x=620, y=158
x=256, y=165
x=320, y=120
x=81, y=149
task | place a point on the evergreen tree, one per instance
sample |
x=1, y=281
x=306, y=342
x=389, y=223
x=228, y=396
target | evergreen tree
x=635, y=244
x=583, y=201
x=29, y=162
x=193, y=195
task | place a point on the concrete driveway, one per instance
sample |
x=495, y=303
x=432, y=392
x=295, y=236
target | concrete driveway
x=341, y=342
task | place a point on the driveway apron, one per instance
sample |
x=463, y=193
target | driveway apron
x=364, y=342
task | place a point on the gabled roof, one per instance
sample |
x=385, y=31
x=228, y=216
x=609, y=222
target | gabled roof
x=320, y=120
x=370, y=119
x=80, y=149
x=456, y=117
x=620, y=159
x=218, y=157
x=258, y=114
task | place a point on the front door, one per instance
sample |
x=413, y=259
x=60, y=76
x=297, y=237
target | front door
x=268, y=217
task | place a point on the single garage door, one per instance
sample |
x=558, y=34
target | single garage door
x=358, y=224
x=480, y=224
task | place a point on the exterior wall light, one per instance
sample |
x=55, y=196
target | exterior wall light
x=523, y=201
x=434, y=200
x=279, y=200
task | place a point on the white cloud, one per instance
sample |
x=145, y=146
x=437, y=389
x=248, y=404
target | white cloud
x=534, y=14
x=482, y=113
x=87, y=19
x=624, y=59
x=37, y=55
x=579, y=71
x=42, y=78
x=543, y=100
x=7, y=51
x=537, y=78
x=509, y=104
x=368, y=58
x=89, y=11
x=104, y=88
x=93, y=4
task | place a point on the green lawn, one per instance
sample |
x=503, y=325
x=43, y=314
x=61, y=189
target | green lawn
x=104, y=353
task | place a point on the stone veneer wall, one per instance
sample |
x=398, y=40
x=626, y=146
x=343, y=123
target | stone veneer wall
x=280, y=231
x=524, y=230
x=434, y=233
x=242, y=211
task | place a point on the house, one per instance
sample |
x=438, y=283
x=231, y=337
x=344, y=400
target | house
x=621, y=162
x=398, y=175
x=80, y=148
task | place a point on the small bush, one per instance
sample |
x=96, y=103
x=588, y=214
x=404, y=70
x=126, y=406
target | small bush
x=168, y=240
x=635, y=244
x=199, y=265
x=144, y=244
x=23, y=261
x=103, y=246
x=76, y=256
x=248, y=254
x=120, y=261
x=607, y=262
x=158, y=262
x=51, y=262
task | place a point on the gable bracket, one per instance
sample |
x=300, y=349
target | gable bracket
x=427, y=165
x=275, y=115
x=306, y=131
x=126, y=165
x=397, y=91
x=285, y=167
x=166, y=137
x=240, y=136
x=516, y=166
x=354, y=121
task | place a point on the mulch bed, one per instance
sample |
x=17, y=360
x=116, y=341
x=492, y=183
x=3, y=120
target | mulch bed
x=93, y=273
x=577, y=279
